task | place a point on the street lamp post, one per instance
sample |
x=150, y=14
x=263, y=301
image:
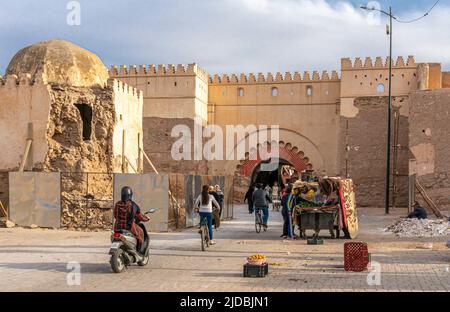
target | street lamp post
x=388, y=144
x=388, y=161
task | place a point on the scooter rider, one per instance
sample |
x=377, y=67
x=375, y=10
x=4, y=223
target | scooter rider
x=125, y=213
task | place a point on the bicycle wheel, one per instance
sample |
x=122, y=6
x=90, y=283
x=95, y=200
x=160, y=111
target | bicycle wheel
x=258, y=222
x=202, y=236
x=207, y=238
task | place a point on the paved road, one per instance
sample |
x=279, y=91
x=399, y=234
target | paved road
x=36, y=260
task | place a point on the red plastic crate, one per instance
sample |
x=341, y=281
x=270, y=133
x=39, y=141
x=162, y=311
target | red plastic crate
x=356, y=256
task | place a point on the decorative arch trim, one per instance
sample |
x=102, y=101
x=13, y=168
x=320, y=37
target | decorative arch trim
x=283, y=150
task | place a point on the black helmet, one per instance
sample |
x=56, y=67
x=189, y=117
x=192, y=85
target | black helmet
x=126, y=193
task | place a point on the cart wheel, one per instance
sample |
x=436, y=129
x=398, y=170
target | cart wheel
x=346, y=234
x=303, y=234
x=332, y=234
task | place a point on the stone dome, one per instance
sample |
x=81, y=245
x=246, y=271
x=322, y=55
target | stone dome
x=59, y=61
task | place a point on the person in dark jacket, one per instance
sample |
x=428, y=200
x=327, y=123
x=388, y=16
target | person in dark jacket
x=249, y=197
x=220, y=198
x=261, y=200
x=286, y=212
x=419, y=212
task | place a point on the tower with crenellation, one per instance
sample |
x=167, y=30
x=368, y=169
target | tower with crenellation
x=173, y=95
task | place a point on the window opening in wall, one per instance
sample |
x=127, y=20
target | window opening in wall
x=380, y=88
x=86, y=118
x=175, y=83
x=308, y=91
x=274, y=91
x=240, y=91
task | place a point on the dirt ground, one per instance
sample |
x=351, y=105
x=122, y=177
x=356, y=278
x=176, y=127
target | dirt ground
x=38, y=260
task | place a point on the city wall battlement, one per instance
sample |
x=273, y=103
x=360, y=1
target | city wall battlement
x=271, y=78
x=124, y=88
x=10, y=81
x=159, y=70
x=357, y=64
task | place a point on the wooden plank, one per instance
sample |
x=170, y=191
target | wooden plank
x=29, y=161
x=139, y=169
x=3, y=209
x=149, y=161
x=25, y=155
x=428, y=200
x=123, y=150
x=128, y=161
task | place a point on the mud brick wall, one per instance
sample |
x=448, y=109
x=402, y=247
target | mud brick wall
x=177, y=202
x=429, y=136
x=362, y=154
x=241, y=184
x=158, y=143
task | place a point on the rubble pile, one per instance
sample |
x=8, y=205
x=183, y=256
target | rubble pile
x=420, y=228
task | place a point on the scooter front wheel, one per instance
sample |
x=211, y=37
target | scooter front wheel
x=117, y=261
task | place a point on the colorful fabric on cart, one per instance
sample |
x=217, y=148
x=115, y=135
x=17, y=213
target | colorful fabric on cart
x=348, y=206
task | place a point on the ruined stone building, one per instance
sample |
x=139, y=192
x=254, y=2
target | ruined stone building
x=78, y=114
x=59, y=98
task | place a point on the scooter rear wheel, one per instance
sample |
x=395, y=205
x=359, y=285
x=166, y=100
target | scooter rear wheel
x=117, y=261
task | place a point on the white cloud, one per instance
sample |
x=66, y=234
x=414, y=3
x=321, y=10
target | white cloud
x=231, y=35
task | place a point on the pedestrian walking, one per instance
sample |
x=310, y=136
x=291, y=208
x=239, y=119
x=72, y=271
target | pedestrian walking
x=249, y=197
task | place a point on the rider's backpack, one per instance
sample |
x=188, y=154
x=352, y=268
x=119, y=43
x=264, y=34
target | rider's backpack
x=122, y=215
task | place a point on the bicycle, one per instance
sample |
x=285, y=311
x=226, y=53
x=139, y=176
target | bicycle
x=204, y=233
x=259, y=221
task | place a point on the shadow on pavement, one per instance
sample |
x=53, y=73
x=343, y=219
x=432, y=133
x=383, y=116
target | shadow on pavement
x=95, y=268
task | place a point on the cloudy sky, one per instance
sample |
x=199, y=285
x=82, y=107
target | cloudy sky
x=230, y=35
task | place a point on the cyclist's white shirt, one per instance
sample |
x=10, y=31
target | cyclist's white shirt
x=207, y=207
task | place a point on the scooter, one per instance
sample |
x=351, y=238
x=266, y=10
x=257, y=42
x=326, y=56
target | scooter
x=125, y=251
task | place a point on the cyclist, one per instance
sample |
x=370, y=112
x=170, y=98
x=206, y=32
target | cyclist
x=261, y=200
x=203, y=204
